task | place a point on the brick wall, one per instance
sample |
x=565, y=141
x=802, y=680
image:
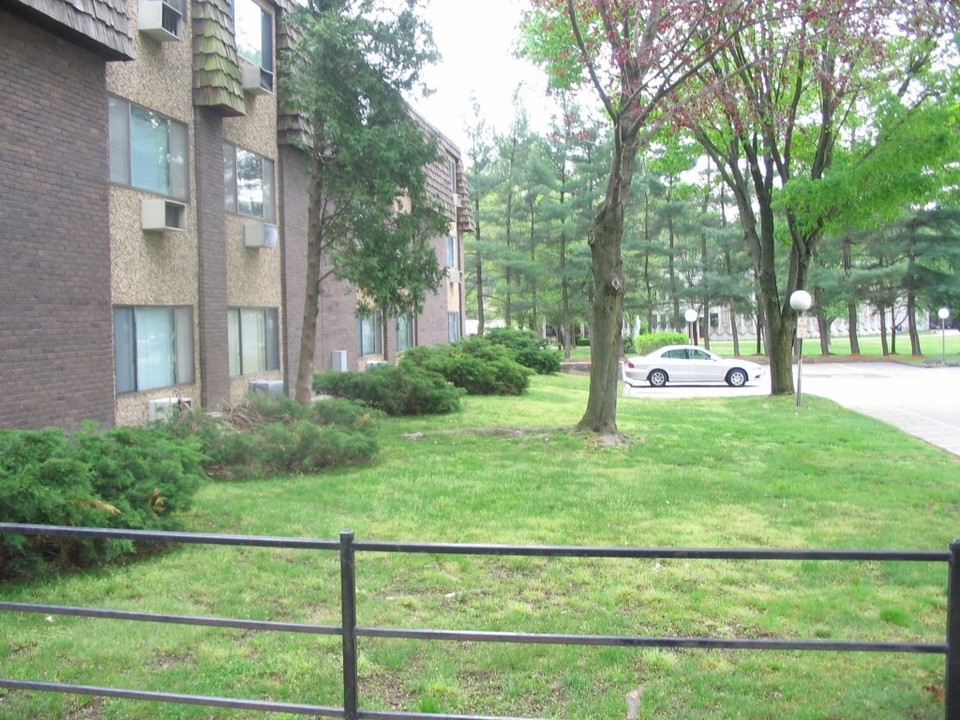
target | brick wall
x=293, y=243
x=212, y=251
x=56, y=328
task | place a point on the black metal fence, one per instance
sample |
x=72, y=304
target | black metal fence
x=351, y=631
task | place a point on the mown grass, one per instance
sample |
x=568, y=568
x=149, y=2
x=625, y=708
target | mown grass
x=745, y=472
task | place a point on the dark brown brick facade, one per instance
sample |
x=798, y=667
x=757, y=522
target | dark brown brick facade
x=56, y=331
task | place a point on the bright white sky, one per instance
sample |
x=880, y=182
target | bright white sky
x=476, y=39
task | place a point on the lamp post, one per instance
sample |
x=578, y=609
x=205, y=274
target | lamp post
x=800, y=301
x=691, y=317
x=943, y=313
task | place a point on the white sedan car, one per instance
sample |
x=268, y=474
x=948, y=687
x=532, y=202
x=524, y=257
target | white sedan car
x=689, y=363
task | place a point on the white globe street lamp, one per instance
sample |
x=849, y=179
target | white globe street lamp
x=943, y=313
x=800, y=301
x=691, y=317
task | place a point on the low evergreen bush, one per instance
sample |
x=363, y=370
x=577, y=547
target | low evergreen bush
x=272, y=434
x=475, y=364
x=130, y=478
x=649, y=343
x=404, y=389
x=528, y=350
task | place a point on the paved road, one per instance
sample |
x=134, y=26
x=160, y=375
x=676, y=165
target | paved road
x=922, y=401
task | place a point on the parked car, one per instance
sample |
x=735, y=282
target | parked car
x=689, y=363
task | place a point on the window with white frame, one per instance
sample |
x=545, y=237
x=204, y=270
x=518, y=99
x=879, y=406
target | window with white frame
x=253, y=339
x=368, y=331
x=147, y=151
x=452, y=174
x=253, y=30
x=248, y=183
x=453, y=326
x=404, y=332
x=453, y=261
x=153, y=347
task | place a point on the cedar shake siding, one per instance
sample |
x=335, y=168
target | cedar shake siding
x=56, y=334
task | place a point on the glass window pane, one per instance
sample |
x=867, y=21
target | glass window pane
x=247, y=26
x=155, y=353
x=183, y=337
x=273, y=339
x=150, y=151
x=124, y=350
x=453, y=326
x=230, y=177
x=178, y=159
x=253, y=352
x=233, y=341
x=268, y=194
x=249, y=183
x=119, y=112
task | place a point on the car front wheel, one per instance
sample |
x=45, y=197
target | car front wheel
x=736, y=378
x=657, y=378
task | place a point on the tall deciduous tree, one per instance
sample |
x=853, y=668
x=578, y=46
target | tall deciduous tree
x=365, y=154
x=636, y=56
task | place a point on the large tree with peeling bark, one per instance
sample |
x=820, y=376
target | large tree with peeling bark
x=370, y=215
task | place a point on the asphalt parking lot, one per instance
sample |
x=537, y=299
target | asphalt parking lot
x=922, y=401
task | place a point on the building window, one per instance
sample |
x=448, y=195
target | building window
x=253, y=338
x=452, y=172
x=253, y=29
x=248, y=183
x=453, y=326
x=153, y=347
x=369, y=331
x=147, y=151
x=404, y=333
x=453, y=261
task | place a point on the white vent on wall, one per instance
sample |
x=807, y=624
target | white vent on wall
x=260, y=235
x=159, y=214
x=159, y=20
x=454, y=275
x=255, y=80
x=167, y=408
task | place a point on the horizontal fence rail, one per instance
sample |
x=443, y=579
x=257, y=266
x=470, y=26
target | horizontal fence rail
x=350, y=631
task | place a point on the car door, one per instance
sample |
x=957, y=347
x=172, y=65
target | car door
x=677, y=364
x=703, y=367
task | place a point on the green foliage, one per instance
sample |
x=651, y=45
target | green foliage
x=528, y=350
x=130, y=478
x=583, y=342
x=649, y=343
x=405, y=389
x=273, y=434
x=475, y=364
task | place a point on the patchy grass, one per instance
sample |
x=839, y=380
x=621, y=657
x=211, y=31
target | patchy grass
x=745, y=472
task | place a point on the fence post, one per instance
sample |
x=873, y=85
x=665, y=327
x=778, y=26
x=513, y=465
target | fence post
x=952, y=679
x=348, y=623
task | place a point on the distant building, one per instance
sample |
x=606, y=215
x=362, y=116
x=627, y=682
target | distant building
x=153, y=225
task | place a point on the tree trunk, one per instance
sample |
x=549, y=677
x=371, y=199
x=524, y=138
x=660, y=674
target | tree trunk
x=883, y=329
x=606, y=240
x=912, y=324
x=481, y=319
x=311, y=303
x=852, y=304
x=823, y=322
x=735, y=332
x=566, y=323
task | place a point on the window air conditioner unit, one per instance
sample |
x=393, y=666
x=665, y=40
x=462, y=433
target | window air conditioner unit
x=255, y=80
x=159, y=20
x=159, y=214
x=269, y=387
x=260, y=235
x=168, y=408
x=454, y=275
x=456, y=200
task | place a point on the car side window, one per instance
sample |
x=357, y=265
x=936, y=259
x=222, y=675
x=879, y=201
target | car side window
x=677, y=354
x=699, y=355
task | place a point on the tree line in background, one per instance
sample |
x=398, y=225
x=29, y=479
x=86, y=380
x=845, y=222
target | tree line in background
x=857, y=200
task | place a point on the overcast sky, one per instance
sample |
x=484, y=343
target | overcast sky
x=476, y=39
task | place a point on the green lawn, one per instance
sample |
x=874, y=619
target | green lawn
x=745, y=472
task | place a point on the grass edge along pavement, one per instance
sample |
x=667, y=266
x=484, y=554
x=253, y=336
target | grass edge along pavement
x=750, y=472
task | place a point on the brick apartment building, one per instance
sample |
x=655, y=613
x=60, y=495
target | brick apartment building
x=153, y=215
